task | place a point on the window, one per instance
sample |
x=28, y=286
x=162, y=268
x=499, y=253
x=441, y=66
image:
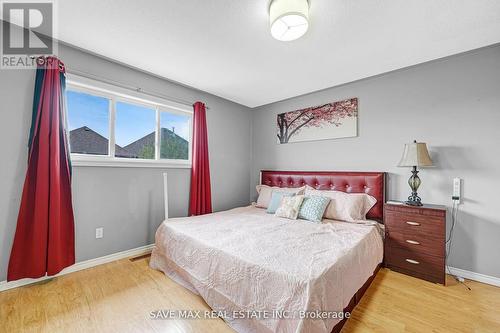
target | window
x=174, y=136
x=135, y=131
x=112, y=126
x=88, y=123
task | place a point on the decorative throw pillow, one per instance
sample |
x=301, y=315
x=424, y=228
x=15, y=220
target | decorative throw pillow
x=289, y=207
x=313, y=208
x=343, y=206
x=276, y=198
x=265, y=193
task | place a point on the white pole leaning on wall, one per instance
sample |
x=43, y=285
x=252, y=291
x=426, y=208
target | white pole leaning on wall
x=165, y=194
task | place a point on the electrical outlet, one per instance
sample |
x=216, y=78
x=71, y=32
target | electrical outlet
x=457, y=189
x=99, y=232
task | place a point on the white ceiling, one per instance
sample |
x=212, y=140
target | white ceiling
x=224, y=47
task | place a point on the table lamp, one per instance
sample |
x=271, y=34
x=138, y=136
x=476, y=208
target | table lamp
x=415, y=155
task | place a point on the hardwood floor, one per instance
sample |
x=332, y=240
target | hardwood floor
x=400, y=303
x=118, y=297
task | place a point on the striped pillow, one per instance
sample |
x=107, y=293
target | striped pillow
x=289, y=207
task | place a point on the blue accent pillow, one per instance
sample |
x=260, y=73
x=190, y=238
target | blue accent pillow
x=275, y=201
x=313, y=207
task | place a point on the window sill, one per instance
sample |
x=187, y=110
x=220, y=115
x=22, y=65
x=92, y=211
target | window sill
x=126, y=163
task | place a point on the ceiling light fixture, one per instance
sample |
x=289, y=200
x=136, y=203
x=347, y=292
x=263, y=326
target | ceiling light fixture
x=289, y=19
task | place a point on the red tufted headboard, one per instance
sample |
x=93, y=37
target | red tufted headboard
x=372, y=183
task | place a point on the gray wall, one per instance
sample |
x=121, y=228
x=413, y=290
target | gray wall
x=452, y=104
x=127, y=202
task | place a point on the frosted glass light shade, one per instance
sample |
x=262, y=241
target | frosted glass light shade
x=289, y=19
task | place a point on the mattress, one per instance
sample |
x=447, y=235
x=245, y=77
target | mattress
x=268, y=274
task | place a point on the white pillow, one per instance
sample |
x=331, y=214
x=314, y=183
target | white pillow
x=289, y=207
x=265, y=192
x=343, y=206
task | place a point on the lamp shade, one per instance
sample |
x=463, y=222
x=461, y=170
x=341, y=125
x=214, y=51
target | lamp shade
x=415, y=154
x=289, y=19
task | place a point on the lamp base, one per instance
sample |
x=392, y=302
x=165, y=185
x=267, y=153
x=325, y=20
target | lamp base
x=413, y=203
x=414, y=182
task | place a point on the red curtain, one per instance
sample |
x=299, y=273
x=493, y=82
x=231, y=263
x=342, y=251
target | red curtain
x=44, y=241
x=200, y=197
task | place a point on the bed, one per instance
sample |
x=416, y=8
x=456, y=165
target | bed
x=267, y=274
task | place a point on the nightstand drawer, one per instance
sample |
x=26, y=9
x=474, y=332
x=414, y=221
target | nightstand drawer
x=412, y=241
x=415, y=262
x=421, y=225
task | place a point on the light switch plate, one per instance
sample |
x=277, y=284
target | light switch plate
x=457, y=189
x=99, y=232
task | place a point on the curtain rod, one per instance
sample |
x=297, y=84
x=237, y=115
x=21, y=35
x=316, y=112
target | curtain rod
x=130, y=87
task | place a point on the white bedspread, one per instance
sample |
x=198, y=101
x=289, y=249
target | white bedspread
x=246, y=260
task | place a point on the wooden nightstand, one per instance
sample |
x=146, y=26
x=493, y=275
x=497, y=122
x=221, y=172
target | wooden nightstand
x=415, y=240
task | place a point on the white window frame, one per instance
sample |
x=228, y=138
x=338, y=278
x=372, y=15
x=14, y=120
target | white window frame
x=118, y=94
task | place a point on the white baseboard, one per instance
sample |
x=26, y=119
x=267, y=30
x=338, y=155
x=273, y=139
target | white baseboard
x=475, y=276
x=4, y=285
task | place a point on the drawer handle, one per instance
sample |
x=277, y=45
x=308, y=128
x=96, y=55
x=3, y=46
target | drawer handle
x=412, y=223
x=411, y=261
x=412, y=242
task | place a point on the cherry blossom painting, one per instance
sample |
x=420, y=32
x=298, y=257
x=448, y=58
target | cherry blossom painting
x=327, y=121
